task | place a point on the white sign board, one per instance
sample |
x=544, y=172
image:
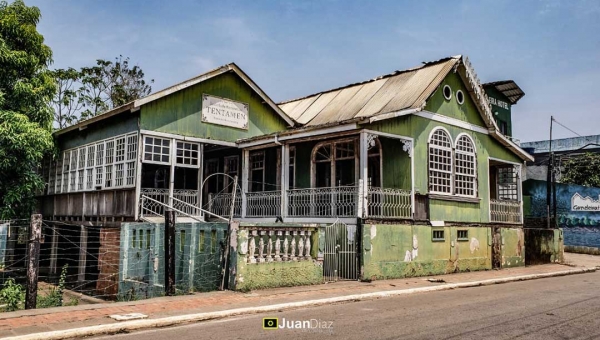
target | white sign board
x=225, y=112
x=580, y=203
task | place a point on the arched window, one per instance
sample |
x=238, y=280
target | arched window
x=440, y=162
x=465, y=178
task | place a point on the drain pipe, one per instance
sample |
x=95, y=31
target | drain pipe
x=277, y=140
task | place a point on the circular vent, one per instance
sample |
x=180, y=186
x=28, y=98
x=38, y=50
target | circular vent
x=447, y=92
x=460, y=97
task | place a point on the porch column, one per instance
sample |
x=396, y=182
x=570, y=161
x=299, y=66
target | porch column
x=200, y=178
x=138, y=175
x=172, y=172
x=520, y=190
x=245, y=176
x=285, y=182
x=82, y=254
x=363, y=168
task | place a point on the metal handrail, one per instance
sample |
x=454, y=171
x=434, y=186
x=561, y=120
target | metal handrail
x=177, y=210
x=201, y=210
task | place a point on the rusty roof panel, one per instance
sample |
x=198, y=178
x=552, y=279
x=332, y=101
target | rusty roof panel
x=332, y=111
x=317, y=107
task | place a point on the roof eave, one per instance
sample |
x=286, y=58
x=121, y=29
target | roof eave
x=81, y=125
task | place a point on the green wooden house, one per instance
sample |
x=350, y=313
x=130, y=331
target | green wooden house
x=412, y=164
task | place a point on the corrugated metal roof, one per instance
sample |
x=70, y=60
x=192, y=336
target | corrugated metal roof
x=509, y=88
x=389, y=93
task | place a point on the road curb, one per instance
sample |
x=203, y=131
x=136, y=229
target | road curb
x=180, y=319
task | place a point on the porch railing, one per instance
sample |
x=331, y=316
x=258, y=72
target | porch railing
x=276, y=244
x=220, y=204
x=262, y=204
x=389, y=203
x=185, y=201
x=505, y=211
x=318, y=202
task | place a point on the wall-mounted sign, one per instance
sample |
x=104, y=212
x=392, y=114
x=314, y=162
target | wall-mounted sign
x=580, y=203
x=499, y=103
x=225, y=112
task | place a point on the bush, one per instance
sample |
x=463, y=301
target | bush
x=12, y=295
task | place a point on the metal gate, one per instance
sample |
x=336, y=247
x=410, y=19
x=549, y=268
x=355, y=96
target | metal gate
x=340, y=260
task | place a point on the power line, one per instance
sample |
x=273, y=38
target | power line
x=559, y=123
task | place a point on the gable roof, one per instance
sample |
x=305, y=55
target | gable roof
x=508, y=88
x=391, y=95
x=136, y=104
x=392, y=92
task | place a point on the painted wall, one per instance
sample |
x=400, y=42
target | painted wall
x=581, y=228
x=181, y=112
x=420, y=128
x=110, y=127
x=396, y=251
x=250, y=276
x=198, y=251
x=501, y=114
x=513, y=247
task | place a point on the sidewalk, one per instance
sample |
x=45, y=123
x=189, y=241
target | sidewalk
x=62, y=318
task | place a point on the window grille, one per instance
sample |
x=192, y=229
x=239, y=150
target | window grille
x=187, y=154
x=440, y=162
x=120, y=151
x=508, y=183
x=109, y=157
x=462, y=235
x=119, y=174
x=437, y=235
x=99, y=164
x=130, y=173
x=157, y=149
x=66, y=167
x=58, y=172
x=465, y=180
x=132, y=141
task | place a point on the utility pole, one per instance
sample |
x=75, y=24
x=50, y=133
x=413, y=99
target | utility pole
x=549, y=177
x=33, y=259
x=169, y=252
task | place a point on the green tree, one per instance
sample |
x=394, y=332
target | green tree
x=26, y=90
x=111, y=84
x=67, y=101
x=582, y=170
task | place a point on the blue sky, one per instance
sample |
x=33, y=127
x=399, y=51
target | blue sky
x=551, y=48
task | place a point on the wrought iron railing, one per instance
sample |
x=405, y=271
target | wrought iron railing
x=389, y=203
x=262, y=204
x=220, y=204
x=505, y=211
x=319, y=202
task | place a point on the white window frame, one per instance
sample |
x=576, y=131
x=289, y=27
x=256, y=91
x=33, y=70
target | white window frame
x=89, y=161
x=474, y=176
x=431, y=146
x=152, y=161
x=183, y=150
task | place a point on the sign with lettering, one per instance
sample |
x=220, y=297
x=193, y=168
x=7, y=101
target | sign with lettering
x=225, y=112
x=499, y=103
x=580, y=203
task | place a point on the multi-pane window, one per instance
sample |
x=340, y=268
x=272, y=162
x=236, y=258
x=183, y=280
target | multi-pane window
x=187, y=154
x=465, y=177
x=232, y=169
x=157, y=149
x=440, y=162
x=257, y=171
x=508, y=183
x=105, y=164
x=52, y=178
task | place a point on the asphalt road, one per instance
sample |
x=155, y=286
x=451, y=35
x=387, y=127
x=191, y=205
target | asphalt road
x=565, y=307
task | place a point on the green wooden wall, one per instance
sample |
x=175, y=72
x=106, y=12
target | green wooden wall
x=420, y=128
x=110, y=127
x=500, y=113
x=181, y=112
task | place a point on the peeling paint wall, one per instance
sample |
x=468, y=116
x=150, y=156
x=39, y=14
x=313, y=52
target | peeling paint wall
x=250, y=276
x=544, y=245
x=396, y=251
x=513, y=247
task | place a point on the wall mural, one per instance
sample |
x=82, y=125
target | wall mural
x=578, y=210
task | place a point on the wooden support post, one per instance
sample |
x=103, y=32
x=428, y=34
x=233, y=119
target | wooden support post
x=245, y=178
x=54, y=251
x=362, y=208
x=172, y=172
x=285, y=182
x=200, y=179
x=33, y=258
x=169, y=252
x=82, y=254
